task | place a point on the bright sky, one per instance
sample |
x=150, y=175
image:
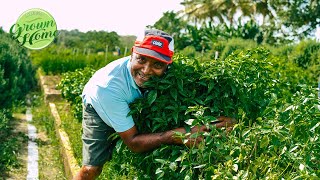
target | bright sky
x=126, y=17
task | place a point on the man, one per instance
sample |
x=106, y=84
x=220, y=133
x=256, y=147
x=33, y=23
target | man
x=106, y=99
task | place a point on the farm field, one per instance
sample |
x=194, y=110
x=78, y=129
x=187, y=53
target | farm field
x=247, y=68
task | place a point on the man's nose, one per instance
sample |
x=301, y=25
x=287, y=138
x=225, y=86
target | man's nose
x=147, y=69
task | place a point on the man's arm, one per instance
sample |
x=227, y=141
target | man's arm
x=146, y=142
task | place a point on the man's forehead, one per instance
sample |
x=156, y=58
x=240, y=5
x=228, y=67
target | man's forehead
x=148, y=58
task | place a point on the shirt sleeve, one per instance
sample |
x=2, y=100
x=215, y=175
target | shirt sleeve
x=113, y=109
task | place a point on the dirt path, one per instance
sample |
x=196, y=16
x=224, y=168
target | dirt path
x=20, y=124
x=50, y=166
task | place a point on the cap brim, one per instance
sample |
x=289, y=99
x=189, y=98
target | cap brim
x=152, y=54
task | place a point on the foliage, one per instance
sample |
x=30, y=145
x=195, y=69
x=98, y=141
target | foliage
x=94, y=40
x=127, y=41
x=301, y=17
x=71, y=86
x=49, y=149
x=73, y=50
x=8, y=147
x=249, y=30
x=277, y=135
x=57, y=60
x=190, y=52
x=16, y=72
x=279, y=20
x=202, y=38
x=10, y=143
x=173, y=25
x=306, y=55
x=268, y=141
x=223, y=48
x=234, y=45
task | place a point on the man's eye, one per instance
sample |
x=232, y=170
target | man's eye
x=158, y=66
x=141, y=60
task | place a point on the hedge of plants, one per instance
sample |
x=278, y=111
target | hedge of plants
x=71, y=86
x=17, y=78
x=277, y=134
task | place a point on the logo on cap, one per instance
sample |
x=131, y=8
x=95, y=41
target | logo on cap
x=157, y=43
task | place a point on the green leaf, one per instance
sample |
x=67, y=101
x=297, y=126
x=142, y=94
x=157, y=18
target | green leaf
x=160, y=173
x=314, y=127
x=200, y=166
x=208, y=98
x=161, y=161
x=174, y=94
x=152, y=96
x=180, y=84
x=210, y=86
x=264, y=142
x=233, y=89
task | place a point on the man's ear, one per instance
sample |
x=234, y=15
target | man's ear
x=132, y=54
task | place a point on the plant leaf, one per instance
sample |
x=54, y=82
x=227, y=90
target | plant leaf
x=264, y=142
x=152, y=96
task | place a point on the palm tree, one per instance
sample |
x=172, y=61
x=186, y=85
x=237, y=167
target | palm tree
x=202, y=10
x=225, y=10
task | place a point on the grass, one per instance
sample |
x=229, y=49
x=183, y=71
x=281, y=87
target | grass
x=74, y=130
x=50, y=161
x=72, y=127
x=11, y=141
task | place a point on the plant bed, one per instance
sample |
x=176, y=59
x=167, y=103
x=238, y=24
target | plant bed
x=278, y=123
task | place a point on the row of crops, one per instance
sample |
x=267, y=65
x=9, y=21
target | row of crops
x=272, y=94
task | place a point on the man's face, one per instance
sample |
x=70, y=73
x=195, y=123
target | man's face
x=143, y=67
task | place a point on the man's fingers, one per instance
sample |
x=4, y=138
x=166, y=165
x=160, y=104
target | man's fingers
x=225, y=123
x=194, y=141
x=229, y=129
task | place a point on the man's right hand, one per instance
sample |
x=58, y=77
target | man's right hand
x=223, y=121
x=226, y=122
x=146, y=142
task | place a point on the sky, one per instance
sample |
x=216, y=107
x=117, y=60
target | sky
x=126, y=17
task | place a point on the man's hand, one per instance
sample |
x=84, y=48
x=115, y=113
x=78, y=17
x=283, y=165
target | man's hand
x=195, y=137
x=226, y=122
x=146, y=142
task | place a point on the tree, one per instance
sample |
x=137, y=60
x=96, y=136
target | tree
x=175, y=26
x=301, y=17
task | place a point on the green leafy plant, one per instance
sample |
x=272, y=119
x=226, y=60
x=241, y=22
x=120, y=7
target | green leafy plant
x=277, y=134
x=71, y=86
x=242, y=86
x=17, y=75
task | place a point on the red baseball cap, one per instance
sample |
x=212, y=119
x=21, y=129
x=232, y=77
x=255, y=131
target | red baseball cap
x=155, y=44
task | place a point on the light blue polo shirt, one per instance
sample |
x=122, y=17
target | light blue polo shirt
x=110, y=91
